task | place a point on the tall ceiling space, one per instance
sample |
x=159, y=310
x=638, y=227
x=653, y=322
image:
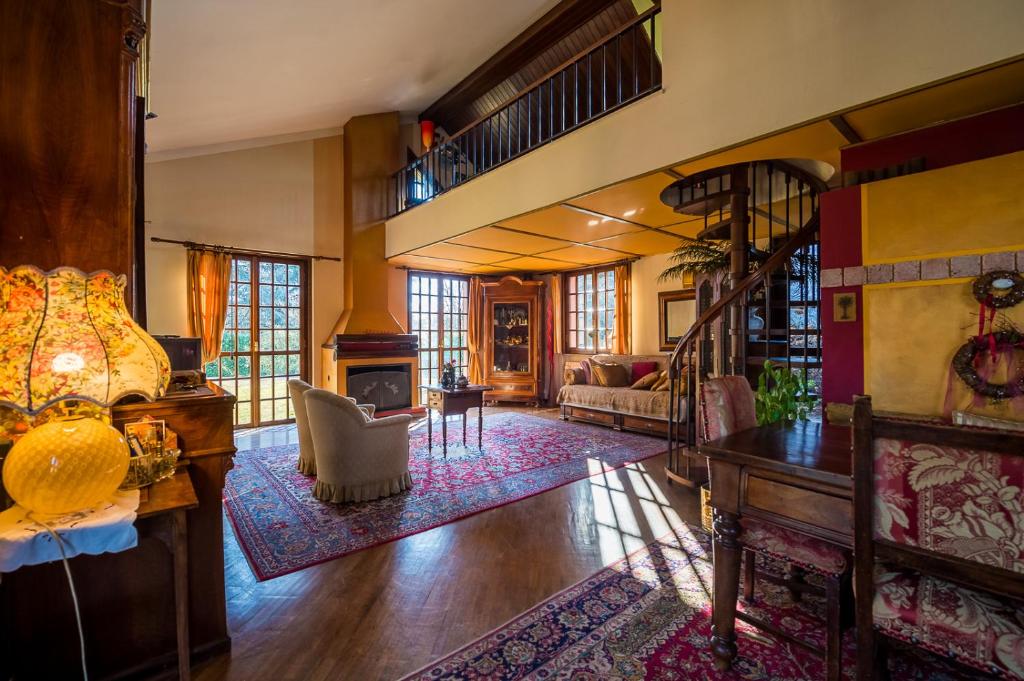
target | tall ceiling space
x=231, y=70
x=628, y=220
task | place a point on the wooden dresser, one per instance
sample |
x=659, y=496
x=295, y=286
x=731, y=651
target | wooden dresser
x=127, y=598
x=511, y=339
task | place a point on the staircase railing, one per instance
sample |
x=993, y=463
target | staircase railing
x=791, y=266
x=617, y=70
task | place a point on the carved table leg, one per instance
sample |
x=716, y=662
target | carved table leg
x=463, y=429
x=444, y=433
x=179, y=530
x=480, y=426
x=727, y=552
x=797, y=575
x=430, y=430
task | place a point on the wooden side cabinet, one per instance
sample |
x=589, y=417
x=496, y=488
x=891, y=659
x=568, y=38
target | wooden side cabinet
x=511, y=337
x=127, y=599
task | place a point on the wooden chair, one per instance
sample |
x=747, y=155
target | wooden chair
x=727, y=406
x=939, y=542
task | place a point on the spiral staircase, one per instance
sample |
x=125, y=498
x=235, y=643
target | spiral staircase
x=765, y=306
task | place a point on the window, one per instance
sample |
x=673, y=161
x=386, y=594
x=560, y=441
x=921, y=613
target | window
x=264, y=338
x=590, y=308
x=439, y=315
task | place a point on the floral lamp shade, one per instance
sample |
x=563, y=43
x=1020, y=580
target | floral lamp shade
x=67, y=335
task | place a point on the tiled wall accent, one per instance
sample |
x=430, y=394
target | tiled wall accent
x=923, y=270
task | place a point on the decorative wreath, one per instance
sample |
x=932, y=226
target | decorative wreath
x=987, y=293
x=963, y=364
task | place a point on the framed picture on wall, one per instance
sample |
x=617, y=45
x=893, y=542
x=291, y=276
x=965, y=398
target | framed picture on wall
x=676, y=312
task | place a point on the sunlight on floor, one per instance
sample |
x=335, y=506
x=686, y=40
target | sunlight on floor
x=631, y=510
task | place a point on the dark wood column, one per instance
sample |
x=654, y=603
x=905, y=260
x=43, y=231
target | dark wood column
x=738, y=264
x=67, y=133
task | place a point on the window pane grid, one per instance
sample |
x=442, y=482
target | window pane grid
x=439, y=317
x=590, y=311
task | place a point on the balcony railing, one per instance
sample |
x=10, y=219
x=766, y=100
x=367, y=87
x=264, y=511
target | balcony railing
x=614, y=72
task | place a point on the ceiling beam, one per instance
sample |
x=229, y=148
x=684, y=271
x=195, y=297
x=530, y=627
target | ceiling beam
x=842, y=125
x=603, y=216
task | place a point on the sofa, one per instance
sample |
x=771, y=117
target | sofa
x=642, y=411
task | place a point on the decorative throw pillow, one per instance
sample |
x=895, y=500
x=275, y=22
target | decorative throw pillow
x=662, y=379
x=573, y=376
x=681, y=387
x=646, y=382
x=610, y=375
x=641, y=369
x=588, y=378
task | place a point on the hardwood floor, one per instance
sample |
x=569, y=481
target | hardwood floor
x=389, y=610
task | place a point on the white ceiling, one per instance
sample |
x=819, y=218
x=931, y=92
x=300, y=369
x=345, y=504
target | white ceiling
x=229, y=70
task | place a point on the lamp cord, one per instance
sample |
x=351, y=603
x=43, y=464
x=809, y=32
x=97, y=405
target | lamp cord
x=71, y=585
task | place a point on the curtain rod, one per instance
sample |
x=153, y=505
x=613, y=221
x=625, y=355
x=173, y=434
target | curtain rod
x=231, y=249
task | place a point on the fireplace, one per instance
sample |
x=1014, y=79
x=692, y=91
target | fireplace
x=375, y=368
x=387, y=386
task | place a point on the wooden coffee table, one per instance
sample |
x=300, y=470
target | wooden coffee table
x=449, y=401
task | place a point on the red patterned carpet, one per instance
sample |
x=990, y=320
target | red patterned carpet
x=648, y=616
x=283, y=528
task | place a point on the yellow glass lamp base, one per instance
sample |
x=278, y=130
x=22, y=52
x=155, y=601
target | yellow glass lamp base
x=66, y=465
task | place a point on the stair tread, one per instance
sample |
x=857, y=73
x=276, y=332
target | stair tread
x=718, y=230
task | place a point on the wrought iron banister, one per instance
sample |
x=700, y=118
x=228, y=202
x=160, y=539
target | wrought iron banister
x=613, y=72
x=783, y=288
x=802, y=237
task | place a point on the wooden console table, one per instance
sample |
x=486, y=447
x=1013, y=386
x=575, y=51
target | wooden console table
x=449, y=401
x=797, y=476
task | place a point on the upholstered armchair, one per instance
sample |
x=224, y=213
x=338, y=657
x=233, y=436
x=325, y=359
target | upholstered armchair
x=357, y=458
x=307, y=459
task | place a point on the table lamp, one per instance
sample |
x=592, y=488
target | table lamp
x=66, y=335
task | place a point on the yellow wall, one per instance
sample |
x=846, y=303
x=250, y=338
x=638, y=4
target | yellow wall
x=912, y=330
x=285, y=197
x=967, y=208
x=800, y=61
x=911, y=333
x=645, y=288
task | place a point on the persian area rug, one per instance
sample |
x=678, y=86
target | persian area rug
x=648, y=616
x=283, y=528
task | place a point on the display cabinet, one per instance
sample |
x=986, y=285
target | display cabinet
x=511, y=339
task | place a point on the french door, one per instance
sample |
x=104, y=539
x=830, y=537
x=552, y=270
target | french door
x=264, y=342
x=439, y=315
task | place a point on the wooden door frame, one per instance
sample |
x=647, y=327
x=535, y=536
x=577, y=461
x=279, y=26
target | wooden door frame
x=305, y=313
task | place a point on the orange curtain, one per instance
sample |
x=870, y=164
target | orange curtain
x=556, y=314
x=623, y=342
x=209, y=274
x=476, y=309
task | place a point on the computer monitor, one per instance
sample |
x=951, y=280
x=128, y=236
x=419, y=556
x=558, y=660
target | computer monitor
x=185, y=353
